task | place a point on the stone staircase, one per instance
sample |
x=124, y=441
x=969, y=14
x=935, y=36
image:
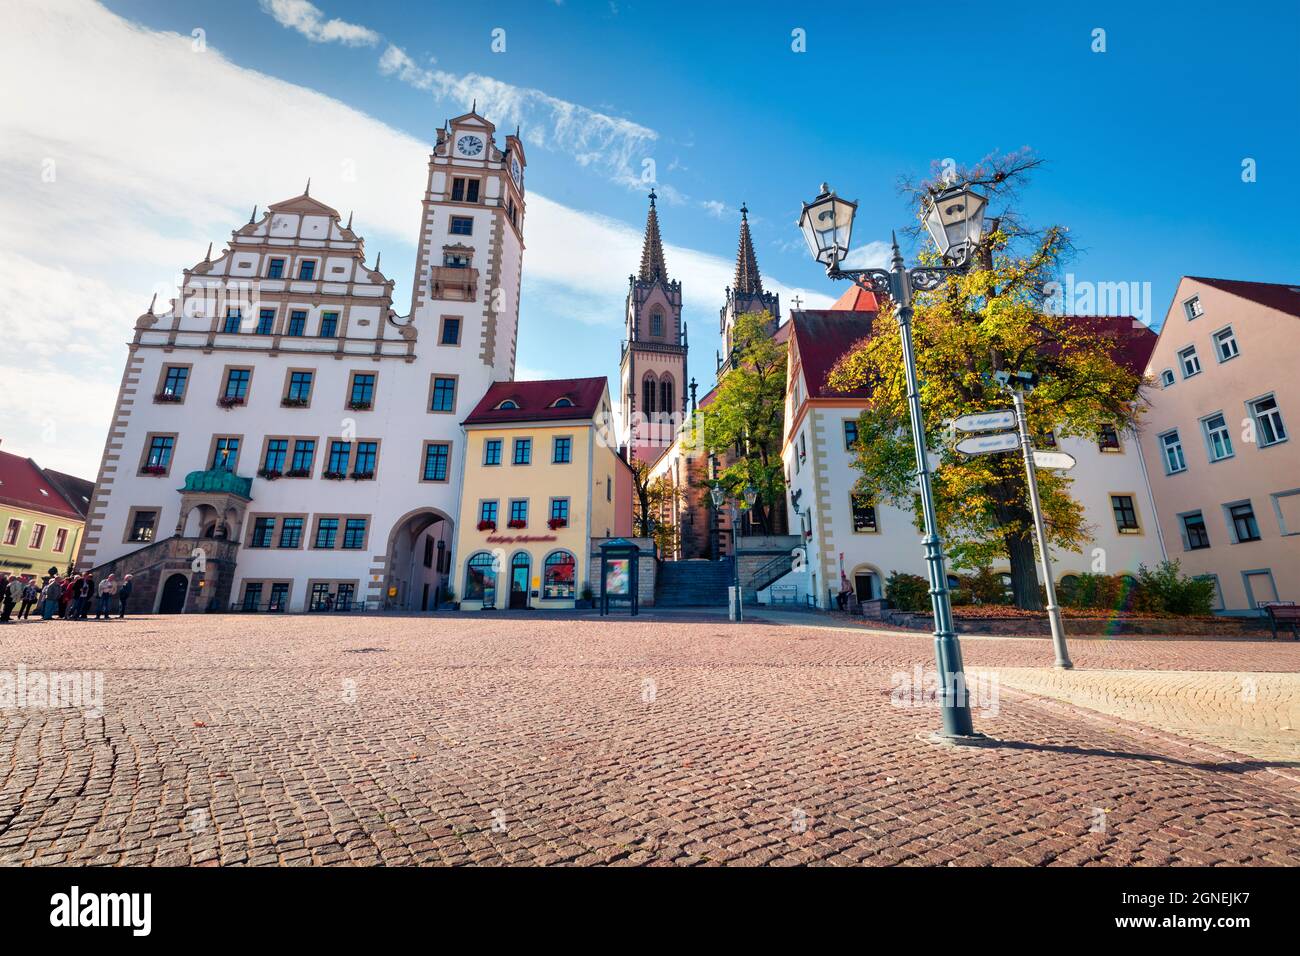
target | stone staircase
x=693, y=583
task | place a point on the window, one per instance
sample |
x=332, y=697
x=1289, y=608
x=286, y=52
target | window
x=455, y=260
x=304, y=453
x=444, y=395
x=462, y=226
x=231, y=324
x=1217, y=438
x=362, y=394
x=864, y=514
x=1192, y=308
x=279, y=596
x=464, y=190
x=436, y=456
x=237, y=381
x=340, y=455
x=299, y=388
x=1172, y=447
x=297, y=323
x=656, y=324
x=481, y=579
x=277, y=449
x=329, y=325
x=142, y=526
x=225, y=454
x=523, y=451
x=275, y=269
x=562, y=450
x=60, y=540
x=354, y=534
x=291, y=533
x=850, y=434
x=252, y=596
x=367, y=459
x=307, y=270
x=450, y=331
x=492, y=451
x=159, y=456
x=1108, y=439
x=12, y=531
x=1195, y=534
x=1225, y=345
x=1126, y=521
x=263, y=532
x=38, y=537
x=1269, y=429
x=509, y=404
x=175, y=380
x=648, y=396
x=1191, y=364
x=1167, y=378
x=666, y=395
x=327, y=531
x=487, y=511
x=519, y=511
x=558, y=576
x=1242, y=518
x=265, y=321
x=560, y=509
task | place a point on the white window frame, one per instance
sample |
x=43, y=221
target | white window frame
x=1207, y=432
x=1274, y=413
x=1167, y=378
x=1182, y=362
x=1231, y=338
x=1192, y=308
x=1165, y=448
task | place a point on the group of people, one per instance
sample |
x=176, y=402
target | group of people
x=69, y=596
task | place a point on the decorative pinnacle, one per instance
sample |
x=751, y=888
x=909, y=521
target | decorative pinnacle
x=378, y=257
x=744, y=211
x=208, y=255
x=253, y=216
x=897, y=261
x=349, y=220
x=152, y=302
x=652, y=195
x=307, y=191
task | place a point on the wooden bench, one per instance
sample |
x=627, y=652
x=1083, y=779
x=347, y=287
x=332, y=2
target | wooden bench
x=1285, y=613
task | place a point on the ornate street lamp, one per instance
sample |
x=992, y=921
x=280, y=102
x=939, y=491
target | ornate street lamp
x=955, y=220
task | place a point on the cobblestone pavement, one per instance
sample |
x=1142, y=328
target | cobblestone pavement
x=532, y=740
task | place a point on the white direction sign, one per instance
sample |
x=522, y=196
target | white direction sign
x=986, y=421
x=1054, y=459
x=989, y=444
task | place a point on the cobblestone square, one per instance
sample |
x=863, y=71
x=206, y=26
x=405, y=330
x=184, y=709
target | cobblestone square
x=664, y=740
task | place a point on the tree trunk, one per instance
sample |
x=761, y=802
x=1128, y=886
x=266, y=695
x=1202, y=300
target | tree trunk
x=1024, y=573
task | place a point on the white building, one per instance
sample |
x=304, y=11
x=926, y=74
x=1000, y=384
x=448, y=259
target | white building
x=866, y=541
x=258, y=414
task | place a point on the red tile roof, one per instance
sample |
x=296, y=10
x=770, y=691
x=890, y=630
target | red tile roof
x=1284, y=298
x=22, y=485
x=536, y=401
x=1134, y=341
x=856, y=300
x=823, y=336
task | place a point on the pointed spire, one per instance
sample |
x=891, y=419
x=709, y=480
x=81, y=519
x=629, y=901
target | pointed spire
x=747, y=281
x=307, y=191
x=378, y=256
x=349, y=220
x=208, y=255
x=473, y=108
x=652, y=252
x=252, y=216
x=153, y=302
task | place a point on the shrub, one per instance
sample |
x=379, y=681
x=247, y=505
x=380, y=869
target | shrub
x=1166, y=589
x=908, y=592
x=986, y=587
x=1111, y=592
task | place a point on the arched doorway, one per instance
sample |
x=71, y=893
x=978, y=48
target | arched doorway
x=419, y=560
x=520, y=566
x=173, y=594
x=866, y=583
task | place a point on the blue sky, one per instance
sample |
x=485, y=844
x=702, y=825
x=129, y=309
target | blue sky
x=1145, y=141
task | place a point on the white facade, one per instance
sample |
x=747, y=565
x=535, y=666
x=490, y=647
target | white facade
x=820, y=471
x=289, y=336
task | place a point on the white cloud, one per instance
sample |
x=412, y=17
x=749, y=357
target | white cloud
x=873, y=255
x=155, y=151
x=308, y=20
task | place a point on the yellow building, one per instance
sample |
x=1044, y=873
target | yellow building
x=541, y=478
x=42, y=517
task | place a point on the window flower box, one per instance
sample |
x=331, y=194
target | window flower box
x=487, y=525
x=153, y=471
x=230, y=401
x=270, y=474
x=363, y=475
x=168, y=398
x=333, y=475
x=556, y=523
x=297, y=473
x=516, y=523
x=287, y=402
x=361, y=406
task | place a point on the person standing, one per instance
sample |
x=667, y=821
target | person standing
x=123, y=594
x=87, y=594
x=12, y=592
x=50, y=596
x=107, y=591
x=31, y=595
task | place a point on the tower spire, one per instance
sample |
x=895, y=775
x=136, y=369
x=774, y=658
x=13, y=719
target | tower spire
x=747, y=281
x=652, y=251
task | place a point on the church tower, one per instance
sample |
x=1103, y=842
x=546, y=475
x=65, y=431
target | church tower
x=652, y=371
x=745, y=294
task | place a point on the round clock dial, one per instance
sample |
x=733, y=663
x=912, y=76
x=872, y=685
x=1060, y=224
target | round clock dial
x=469, y=145
x=517, y=172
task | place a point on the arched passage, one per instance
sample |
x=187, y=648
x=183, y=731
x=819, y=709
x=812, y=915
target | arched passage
x=418, y=560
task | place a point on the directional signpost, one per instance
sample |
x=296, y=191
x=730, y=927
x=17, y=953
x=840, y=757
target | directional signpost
x=989, y=444
x=986, y=421
x=1055, y=460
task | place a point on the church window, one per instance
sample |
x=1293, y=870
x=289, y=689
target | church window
x=666, y=395
x=648, y=396
x=656, y=324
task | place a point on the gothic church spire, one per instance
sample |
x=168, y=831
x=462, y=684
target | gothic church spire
x=652, y=252
x=747, y=281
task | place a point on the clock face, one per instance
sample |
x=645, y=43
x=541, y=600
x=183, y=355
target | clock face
x=469, y=145
x=517, y=172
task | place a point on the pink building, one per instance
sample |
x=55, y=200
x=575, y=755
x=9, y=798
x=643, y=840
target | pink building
x=1223, y=467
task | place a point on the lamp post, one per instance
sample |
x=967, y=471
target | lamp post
x=955, y=220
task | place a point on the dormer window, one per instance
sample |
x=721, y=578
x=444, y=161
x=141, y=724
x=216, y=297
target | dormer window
x=508, y=405
x=562, y=403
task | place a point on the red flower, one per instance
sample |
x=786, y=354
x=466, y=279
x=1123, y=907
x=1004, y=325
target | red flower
x=516, y=523
x=487, y=525
x=556, y=523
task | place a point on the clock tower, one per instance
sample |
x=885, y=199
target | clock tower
x=652, y=370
